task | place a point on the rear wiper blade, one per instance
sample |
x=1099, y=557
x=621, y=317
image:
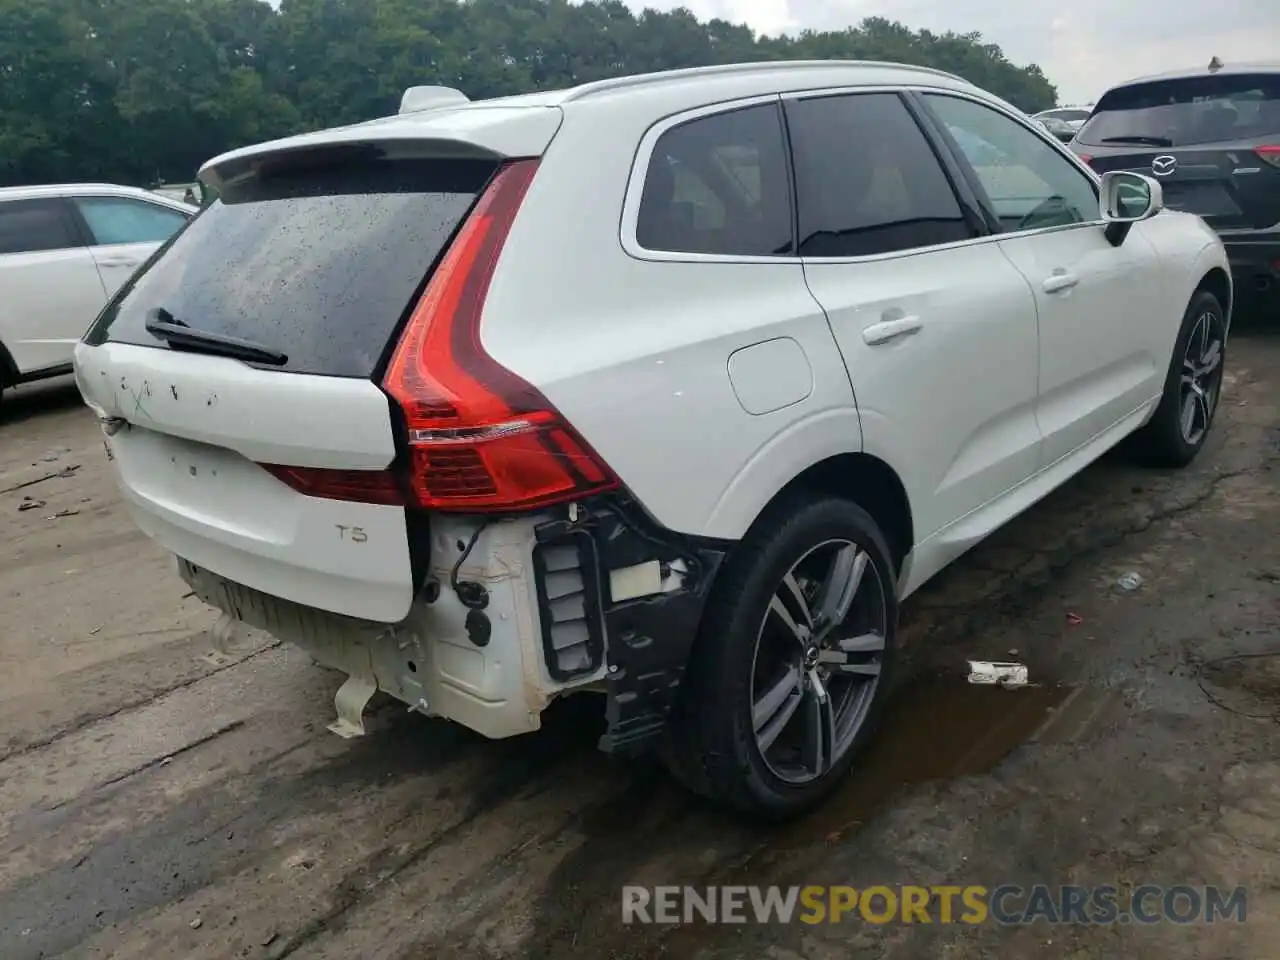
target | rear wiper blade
x=163, y=325
x=1138, y=138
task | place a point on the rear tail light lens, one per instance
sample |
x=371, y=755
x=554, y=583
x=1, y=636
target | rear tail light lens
x=1085, y=158
x=1269, y=154
x=480, y=438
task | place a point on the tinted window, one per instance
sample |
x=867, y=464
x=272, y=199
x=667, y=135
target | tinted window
x=1030, y=184
x=867, y=180
x=1173, y=113
x=320, y=262
x=120, y=220
x=28, y=226
x=718, y=184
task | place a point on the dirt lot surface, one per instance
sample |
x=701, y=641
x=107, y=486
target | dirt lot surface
x=157, y=804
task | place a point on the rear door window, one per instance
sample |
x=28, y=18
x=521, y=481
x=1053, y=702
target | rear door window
x=718, y=185
x=867, y=180
x=1187, y=112
x=31, y=226
x=121, y=220
x=319, y=261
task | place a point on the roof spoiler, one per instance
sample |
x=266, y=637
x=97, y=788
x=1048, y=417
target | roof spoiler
x=416, y=99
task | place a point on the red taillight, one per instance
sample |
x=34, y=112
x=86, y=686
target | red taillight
x=480, y=438
x=365, y=486
x=1269, y=154
x=1085, y=158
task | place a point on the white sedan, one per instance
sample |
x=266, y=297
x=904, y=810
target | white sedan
x=64, y=251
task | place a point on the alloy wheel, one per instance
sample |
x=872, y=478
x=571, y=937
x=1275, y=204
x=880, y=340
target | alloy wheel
x=818, y=660
x=1201, y=380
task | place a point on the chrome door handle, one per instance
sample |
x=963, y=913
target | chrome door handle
x=1059, y=282
x=887, y=330
x=118, y=262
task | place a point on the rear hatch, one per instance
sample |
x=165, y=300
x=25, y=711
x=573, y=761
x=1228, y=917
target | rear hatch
x=238, y=372
x=1213, y=142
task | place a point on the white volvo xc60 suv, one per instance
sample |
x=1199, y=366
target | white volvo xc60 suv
x=666, y=388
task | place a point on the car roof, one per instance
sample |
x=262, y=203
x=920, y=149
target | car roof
x=795, y=74
x=1227, y=70
x=37, y=191
x=493, y=125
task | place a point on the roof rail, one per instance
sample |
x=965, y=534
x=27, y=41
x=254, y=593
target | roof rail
x=585, y=90
x=430, y=98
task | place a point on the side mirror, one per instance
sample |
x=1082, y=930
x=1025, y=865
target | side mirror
x=1127, y=198
x=1130, y=197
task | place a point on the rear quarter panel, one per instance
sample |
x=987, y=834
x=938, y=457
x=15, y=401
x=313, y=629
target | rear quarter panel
x=635, y=353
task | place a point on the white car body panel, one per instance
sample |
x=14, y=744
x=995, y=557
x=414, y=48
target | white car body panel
x=49, y=298
x=915, y=393
x=707, y=383
x=187, y=463
x=1098, y=339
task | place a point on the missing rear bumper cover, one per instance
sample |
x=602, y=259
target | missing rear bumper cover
x=616, y=576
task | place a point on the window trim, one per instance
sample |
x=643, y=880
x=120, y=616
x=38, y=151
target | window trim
x=68, y=221
x=640, y=170
x=975, y=182
x=937, y=137
x=86, y=231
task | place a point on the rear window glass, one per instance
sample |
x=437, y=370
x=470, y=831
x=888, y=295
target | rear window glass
x=1189, y=111
x=319, y=262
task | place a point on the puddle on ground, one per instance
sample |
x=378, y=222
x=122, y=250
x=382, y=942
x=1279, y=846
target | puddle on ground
x=936, y=729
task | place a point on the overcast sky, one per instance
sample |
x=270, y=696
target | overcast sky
x=1083, y=46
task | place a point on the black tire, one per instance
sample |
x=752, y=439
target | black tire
x=714, y=748
x=1164, y=441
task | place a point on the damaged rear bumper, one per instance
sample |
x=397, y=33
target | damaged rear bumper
x=583, y=599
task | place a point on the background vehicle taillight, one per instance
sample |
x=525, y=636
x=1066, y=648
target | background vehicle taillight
x=1085, y=158
x=480, y=438
x=1269, y=154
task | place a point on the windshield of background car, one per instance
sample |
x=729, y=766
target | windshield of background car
x=1188, y=111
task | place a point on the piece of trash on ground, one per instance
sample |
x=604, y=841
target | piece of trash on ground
x=1130, y=581
x=63, y=513
x=1003, y=674
x=1074, y=619
x=29, y=504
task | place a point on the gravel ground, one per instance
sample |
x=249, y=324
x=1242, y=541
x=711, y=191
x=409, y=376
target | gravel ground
x=158, y=803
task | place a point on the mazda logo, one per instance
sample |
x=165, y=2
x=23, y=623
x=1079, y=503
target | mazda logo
x=1163, y=166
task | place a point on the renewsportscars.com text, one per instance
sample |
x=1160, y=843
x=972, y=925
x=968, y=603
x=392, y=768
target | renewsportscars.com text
x=1004, y=904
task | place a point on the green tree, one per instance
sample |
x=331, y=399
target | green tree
x=138, y=90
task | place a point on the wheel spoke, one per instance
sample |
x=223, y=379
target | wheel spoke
x=863, y=643
x=1188, y=415
x=839, y=656
x=1211, y=359
x=820, y=727
x=1202, y=404
x=779, y=609
x=776, y=706
x=1202, y=330
x=840, y=588
x=793, y=588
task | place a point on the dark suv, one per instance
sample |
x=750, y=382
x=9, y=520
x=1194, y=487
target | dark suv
x=1212, y=139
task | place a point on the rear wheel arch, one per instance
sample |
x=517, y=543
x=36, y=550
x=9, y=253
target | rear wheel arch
x=865, y=480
